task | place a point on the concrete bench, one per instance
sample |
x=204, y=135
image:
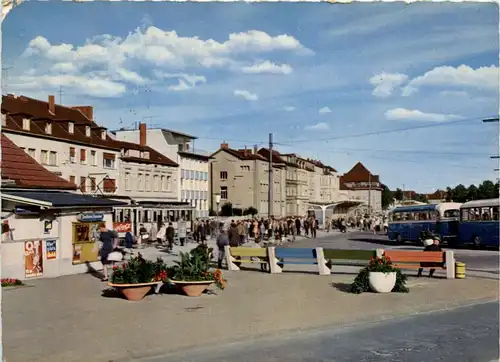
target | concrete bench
x=350, y=257
x=406, y=259
x=237, y=255
x=302, y=256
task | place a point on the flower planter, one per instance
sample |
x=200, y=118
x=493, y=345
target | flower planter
x=193, y=288
x=134, y=292
x=382, y=282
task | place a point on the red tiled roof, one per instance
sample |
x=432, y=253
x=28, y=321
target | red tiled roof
x=264, y=152
x=17, y=108
x=244, y=155
x=25, y=172
x=359, y=173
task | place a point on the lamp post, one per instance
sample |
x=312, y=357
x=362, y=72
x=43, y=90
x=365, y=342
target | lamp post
x=217, y=202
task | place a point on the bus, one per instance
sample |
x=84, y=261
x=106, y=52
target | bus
x=407, y=223
x=479, y=224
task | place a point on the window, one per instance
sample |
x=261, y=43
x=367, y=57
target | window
x=223, y=192
x=83, y=185
x=109, y=185
x=197, y=175
x=162, y=183
x=139, y=182
x=26, y=124
x=127, y=180
x=87, y=131
x=32, y=152
x=83, y=156
x=71, y=127
x=156, y=181
x=451, y=213
x=53, y=158
x=147, y=182
x=223, y=176
x=72, y=154
x=108, y=160
x=44, y=157
x=4, y=120
x=191, y=174
x=48, y=128
x=72, y=179
x=93, y=185
x=93, y=158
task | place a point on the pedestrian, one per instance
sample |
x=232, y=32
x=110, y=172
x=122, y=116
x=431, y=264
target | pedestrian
x=181, y=231
x=432, y=247
x=222, y=241
x=170, y=235
x=109, y=240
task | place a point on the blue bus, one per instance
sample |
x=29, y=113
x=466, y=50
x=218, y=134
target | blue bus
x=406, y=223
x=479, y=224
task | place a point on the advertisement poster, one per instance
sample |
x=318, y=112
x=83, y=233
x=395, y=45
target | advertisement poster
x=77, y=254
x=33, y=259
x=122, y=227
x=51, y=249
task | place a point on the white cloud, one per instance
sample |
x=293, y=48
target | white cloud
x=484, y=78
x=268, y=67
x=403, y=114
x=325, y=110
x=185, y=81
x=289, y=108
x=322, y=126
x=246, y=95
x=386, y=83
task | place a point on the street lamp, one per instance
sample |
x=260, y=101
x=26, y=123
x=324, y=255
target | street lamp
x=217, y=201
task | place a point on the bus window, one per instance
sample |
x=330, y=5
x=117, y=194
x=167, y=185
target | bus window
x=485, y=214
x=424, y=216
x=451, y=213
x=410, y=216
x=433, y=215
x=495, y=213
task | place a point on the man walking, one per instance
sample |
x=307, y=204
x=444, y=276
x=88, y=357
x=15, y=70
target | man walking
x=170, y=234
x=222, y=241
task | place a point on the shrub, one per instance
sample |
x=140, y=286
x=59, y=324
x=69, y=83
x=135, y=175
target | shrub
x=139, y=270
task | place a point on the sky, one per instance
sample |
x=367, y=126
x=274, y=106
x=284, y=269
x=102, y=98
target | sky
x=403, y=88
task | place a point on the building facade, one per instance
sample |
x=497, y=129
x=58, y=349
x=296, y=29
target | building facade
x=241, y=177
x=363, y=186
x=193, y=171
x=297, y=184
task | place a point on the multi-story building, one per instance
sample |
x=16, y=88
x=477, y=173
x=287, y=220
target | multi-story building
x=68, y=142
x=297, y=184
x=361, y=185
x=241, y=177
x=193, y=185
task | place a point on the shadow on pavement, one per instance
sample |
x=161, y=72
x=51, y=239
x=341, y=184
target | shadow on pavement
x=342, y=287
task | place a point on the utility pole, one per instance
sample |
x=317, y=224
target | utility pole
x=370, y=193
x=60, y=94
x=271, y=183
x=403, y=194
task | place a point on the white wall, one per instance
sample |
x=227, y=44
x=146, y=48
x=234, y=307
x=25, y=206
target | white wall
x=194, y=184
x=29, y=228
x=66, y=166
x=363, y=195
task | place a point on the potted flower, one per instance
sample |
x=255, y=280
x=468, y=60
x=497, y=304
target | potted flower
x=192, y=272
x=135, y=278
x=11, y=282
x=379, y=276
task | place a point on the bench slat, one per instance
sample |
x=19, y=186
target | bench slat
x=415, y=266
x=415, y=256
x=339, y=254
x=285, y=262
x=251, y=261
x=242, y=251
x=295, y=253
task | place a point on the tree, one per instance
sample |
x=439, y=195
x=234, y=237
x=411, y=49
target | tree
x=449, y=194
x=211, y=212
x=472, y=193
x=460, y=193
x=250, y=211
x=226, y=209
x=386, y=197
x=398, y=195
x=487, y=190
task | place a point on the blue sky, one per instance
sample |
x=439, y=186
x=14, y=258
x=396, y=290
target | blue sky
x=401, y=88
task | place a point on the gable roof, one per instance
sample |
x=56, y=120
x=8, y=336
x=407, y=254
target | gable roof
x=25, y=172
x=359, y=173
x=17, y=108
x=277, y=159
x=243, y=155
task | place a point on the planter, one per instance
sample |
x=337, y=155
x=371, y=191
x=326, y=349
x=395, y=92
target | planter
x=134, y=292
x=382, y=282
x=193, y=288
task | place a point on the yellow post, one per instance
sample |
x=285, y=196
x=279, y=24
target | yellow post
x=459, y=270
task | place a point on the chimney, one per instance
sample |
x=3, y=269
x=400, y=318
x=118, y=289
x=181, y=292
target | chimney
x=87, y=111
x=224, y=146
x=52, y=104
x=142, y=134
x=255, y=149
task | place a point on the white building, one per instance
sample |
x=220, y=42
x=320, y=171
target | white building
x=68, y=142
x=193, y=186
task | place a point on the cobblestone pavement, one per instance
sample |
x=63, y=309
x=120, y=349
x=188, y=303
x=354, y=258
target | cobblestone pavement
x=73, y=318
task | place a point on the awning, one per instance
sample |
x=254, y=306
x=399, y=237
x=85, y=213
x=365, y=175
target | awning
x=56, y=199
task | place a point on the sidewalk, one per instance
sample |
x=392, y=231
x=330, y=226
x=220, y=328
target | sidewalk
x=68, y=319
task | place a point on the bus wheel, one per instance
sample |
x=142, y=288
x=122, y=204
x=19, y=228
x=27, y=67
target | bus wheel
x=398, y=239
x=476, y=240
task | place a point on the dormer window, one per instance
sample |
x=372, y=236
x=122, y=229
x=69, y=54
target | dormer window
x=103, y=134
x=87, y=131
x=48, y=128
x=26, y=124
x=4, y=120
x=71, y=127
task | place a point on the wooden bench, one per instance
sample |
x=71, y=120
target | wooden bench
x=302, y=256
x=236, y=255
x=350, y=257
x=411, y=259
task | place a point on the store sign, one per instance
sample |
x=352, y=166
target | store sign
x=51, y=249
x=122, y=227
x=90, y=217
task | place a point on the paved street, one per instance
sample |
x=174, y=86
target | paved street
x=466, y=334
x=478, y=262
